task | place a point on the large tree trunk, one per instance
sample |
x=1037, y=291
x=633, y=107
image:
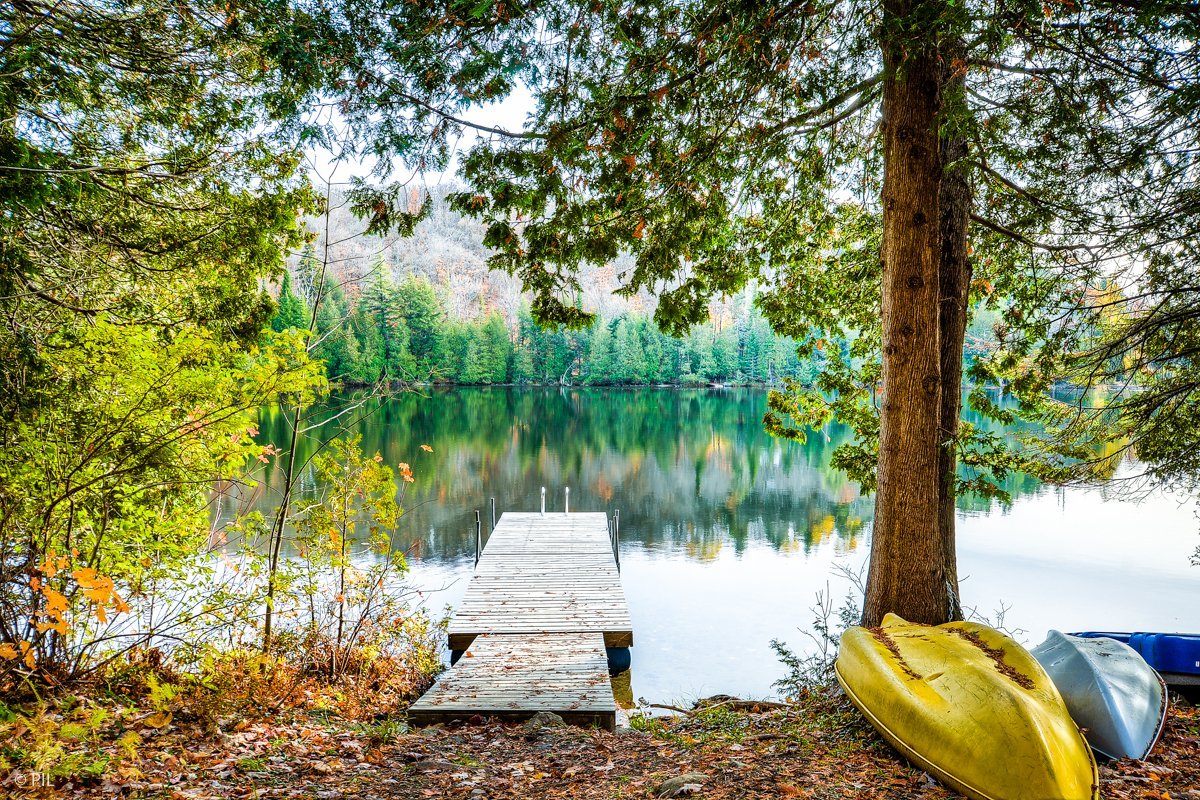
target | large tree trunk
x=908, y=563
x=955, y=281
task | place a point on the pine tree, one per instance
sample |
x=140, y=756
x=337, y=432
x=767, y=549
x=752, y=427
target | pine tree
x=650, y=340
x=456, y=341
x=371, y=365
x=335, y=343
x=424, y=316
x=292, y=312
x=601, y=356
x=382, y=305
x=529, y=351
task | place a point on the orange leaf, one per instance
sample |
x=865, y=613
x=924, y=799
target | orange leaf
x=640, y=230
x=160, y=720
x=85, y=575
x=55, y=601
x=53, y=622
x=49, y=567
x=7, y=651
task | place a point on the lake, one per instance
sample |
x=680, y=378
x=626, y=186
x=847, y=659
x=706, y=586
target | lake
x=728, y=534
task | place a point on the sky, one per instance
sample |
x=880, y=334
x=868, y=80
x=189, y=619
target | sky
x=509, y=114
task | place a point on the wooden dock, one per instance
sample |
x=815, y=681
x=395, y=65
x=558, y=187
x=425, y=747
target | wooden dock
x=544, y=603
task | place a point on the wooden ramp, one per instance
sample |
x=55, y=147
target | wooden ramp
x=543, y=604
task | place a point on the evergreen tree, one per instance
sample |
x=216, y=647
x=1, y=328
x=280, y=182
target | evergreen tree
x=496, y=348
x=669, y=363
x=529, y=349
x=456, y=341
x=601, y=357
x=650, y=340
x=371, y=365
x=725, y=354
x=292, y=312
x=628, y=355
x=476, y=368
x=382, y=305
x=336, y=344
x=424, y=316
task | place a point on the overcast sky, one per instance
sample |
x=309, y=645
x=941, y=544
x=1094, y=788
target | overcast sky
x=508, y=114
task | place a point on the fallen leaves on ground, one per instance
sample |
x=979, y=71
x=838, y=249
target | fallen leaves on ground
x=819, y=749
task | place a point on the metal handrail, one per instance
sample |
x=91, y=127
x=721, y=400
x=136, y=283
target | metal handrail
x=478, y=537
x=616, y=538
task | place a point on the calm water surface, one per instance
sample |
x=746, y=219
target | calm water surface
x=727, y=535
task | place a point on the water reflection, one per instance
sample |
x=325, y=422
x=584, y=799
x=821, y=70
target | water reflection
x=692, y=471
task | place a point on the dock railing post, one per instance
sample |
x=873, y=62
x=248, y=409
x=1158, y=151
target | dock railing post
x=492, y=529
x=616, y=534
x=478, y=537
x=567, y=500
x=543, y=501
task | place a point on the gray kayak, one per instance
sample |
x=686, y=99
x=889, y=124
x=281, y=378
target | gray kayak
x=1110, y=690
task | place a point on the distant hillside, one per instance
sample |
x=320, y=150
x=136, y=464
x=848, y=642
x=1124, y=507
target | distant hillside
x=447, y=249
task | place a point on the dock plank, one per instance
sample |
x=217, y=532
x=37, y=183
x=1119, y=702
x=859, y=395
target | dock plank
x=544, y=603
x=545, y=573
x=514, y=677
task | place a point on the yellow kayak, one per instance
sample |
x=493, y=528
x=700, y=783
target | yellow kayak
x=970, y=706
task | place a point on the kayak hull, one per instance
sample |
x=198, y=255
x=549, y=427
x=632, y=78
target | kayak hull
x=970, y=706
x=1176, y=656
x=1110, y=690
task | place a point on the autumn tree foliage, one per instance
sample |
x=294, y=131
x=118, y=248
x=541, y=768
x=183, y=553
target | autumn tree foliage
x=143, y=200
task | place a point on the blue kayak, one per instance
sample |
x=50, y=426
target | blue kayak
x=1176, y=656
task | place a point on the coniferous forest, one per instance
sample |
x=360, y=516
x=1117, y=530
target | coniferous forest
x=377, y=330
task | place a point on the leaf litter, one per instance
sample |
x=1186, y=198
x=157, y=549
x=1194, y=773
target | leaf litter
x=817, y=748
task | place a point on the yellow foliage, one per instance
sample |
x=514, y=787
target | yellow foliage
x=52, y=623
x=100, y=590
x=56, y=602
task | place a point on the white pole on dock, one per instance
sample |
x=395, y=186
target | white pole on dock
x=567, y=501
x=543, y=501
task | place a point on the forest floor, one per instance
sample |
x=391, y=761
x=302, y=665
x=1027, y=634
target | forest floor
x=817, y=748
